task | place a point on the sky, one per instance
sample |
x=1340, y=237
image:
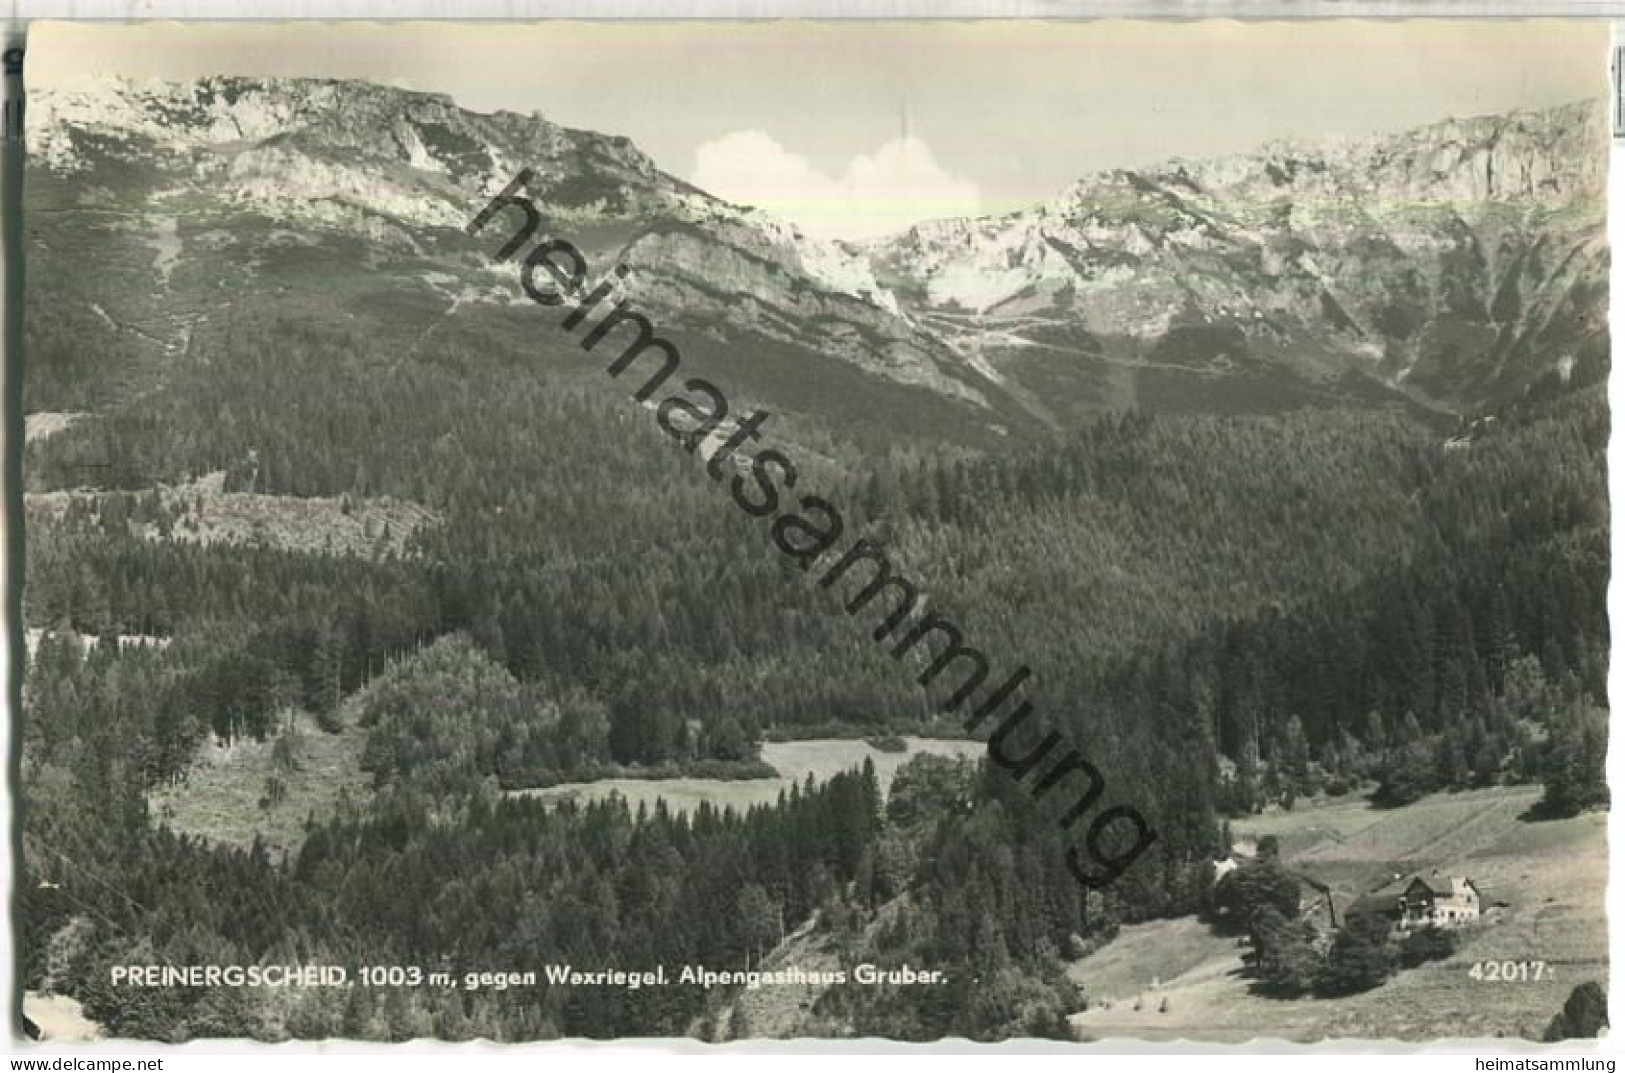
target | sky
x=858, y=129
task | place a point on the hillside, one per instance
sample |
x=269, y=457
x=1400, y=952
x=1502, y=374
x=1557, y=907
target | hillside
x=353, y=197
x=1546, y=878
x=390, y=552
x=1456, y=263
x=1443, y=268
x=200, y=512
x=238, y=792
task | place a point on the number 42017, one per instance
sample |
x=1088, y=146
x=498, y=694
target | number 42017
x=1509, y=971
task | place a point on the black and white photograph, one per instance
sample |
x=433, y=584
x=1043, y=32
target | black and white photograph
x=714, y=531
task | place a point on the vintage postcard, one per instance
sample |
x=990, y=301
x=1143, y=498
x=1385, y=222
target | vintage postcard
x=803, y=530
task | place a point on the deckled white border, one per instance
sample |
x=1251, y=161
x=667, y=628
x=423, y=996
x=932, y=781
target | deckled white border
x=127, y=10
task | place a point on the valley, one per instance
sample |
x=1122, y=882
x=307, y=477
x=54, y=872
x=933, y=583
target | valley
x=358, y=597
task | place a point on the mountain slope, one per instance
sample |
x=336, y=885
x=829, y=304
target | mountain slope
x=1458, y=261
x=1174, y=979
x=1449, y=266
x=188, y=195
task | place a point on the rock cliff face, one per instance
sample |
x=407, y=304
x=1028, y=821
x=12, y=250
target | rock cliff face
x=285, y=146
x=404, y=171
x=1454, y=264
x=1459, y=260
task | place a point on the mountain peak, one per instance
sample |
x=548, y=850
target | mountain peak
x=1455, y=260
x=1542, y=155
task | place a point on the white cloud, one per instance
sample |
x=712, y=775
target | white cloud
x=898, y=184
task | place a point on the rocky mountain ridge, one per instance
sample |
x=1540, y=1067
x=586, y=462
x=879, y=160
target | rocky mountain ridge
x=1464, y=257
x=1456, y=263
x=405, y=170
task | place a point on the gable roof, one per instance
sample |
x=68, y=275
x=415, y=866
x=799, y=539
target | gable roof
x=1444, y=886
x=1437, y=886
x=1374, y=904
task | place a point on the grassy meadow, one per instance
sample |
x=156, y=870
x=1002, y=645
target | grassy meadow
x=1543, y=884
x=795, y=761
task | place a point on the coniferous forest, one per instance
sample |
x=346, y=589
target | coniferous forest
x=1323, y=599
